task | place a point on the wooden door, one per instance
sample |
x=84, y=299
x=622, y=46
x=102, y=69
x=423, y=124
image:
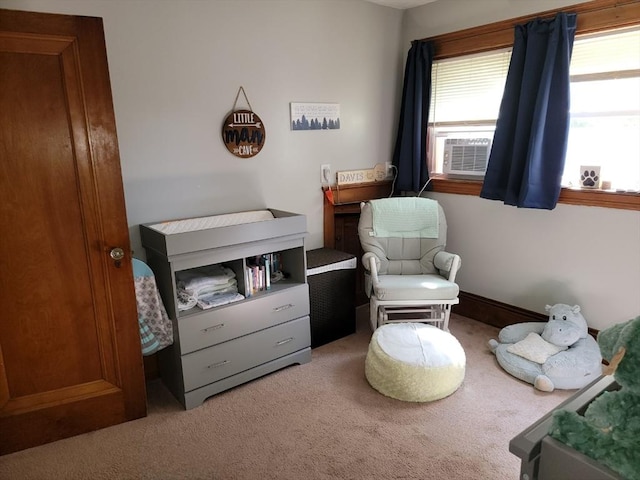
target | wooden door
x=70, y=355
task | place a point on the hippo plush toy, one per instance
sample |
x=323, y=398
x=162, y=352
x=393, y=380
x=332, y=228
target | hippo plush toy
x=558, y=353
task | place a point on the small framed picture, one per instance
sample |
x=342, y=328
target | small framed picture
x=315, y=116
x=590, y=176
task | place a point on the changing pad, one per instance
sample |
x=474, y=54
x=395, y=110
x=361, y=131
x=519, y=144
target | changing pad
x=215, y=221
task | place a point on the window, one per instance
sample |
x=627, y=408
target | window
x=466, y=95
x=605, y=109
x=594, y=17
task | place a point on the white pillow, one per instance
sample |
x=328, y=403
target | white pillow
x=535, y=348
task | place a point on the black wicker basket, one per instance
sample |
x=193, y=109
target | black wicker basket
x=331, y=275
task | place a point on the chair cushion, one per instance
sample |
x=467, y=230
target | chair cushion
x=406, y=256
x=405, y=217
x=415, y=287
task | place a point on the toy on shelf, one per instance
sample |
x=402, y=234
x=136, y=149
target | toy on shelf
x=558, y=353
x=609, y=431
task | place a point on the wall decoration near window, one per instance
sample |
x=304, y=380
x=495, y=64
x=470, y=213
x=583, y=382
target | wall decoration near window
x=315, y=116
x=243, y=131
x=590, y=176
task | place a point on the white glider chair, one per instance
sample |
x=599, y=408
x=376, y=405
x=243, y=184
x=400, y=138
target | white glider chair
x=408, y=275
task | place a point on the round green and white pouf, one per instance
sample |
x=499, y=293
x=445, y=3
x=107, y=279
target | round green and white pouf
x=414, y=362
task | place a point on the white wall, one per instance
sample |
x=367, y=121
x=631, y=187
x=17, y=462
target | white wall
x=176, y=67
x=588, y=256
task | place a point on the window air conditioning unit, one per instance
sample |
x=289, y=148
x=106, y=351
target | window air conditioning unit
x=466, y=156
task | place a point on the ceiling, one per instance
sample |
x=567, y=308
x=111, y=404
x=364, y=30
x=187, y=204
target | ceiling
x=401, y=4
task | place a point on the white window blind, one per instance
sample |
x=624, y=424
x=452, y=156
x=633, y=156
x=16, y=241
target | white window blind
x=606, y=52
x=468, y=88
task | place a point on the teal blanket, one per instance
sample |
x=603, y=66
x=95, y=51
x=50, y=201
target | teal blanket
x=405, y=217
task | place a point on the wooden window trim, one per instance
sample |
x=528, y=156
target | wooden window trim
x=570, y=196
x=594, y=16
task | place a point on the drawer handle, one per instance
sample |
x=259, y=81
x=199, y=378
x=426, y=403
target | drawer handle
x=219, y=364
x=286, y=340
x=283, y=307
x=214, y=327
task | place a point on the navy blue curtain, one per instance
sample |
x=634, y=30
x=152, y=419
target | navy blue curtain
x=410, y=153
x=527, y=157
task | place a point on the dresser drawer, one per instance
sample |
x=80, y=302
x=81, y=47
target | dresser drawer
x=237, y=319
x=226, y=359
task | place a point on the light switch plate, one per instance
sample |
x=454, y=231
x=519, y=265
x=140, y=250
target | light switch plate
x=325, y=174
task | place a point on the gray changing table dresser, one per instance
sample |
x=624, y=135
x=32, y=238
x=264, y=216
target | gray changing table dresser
x=222, y=347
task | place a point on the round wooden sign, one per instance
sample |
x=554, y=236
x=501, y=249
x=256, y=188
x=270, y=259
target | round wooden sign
x=243, y=133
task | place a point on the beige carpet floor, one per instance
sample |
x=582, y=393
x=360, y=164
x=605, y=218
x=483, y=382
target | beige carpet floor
x=316, y=421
